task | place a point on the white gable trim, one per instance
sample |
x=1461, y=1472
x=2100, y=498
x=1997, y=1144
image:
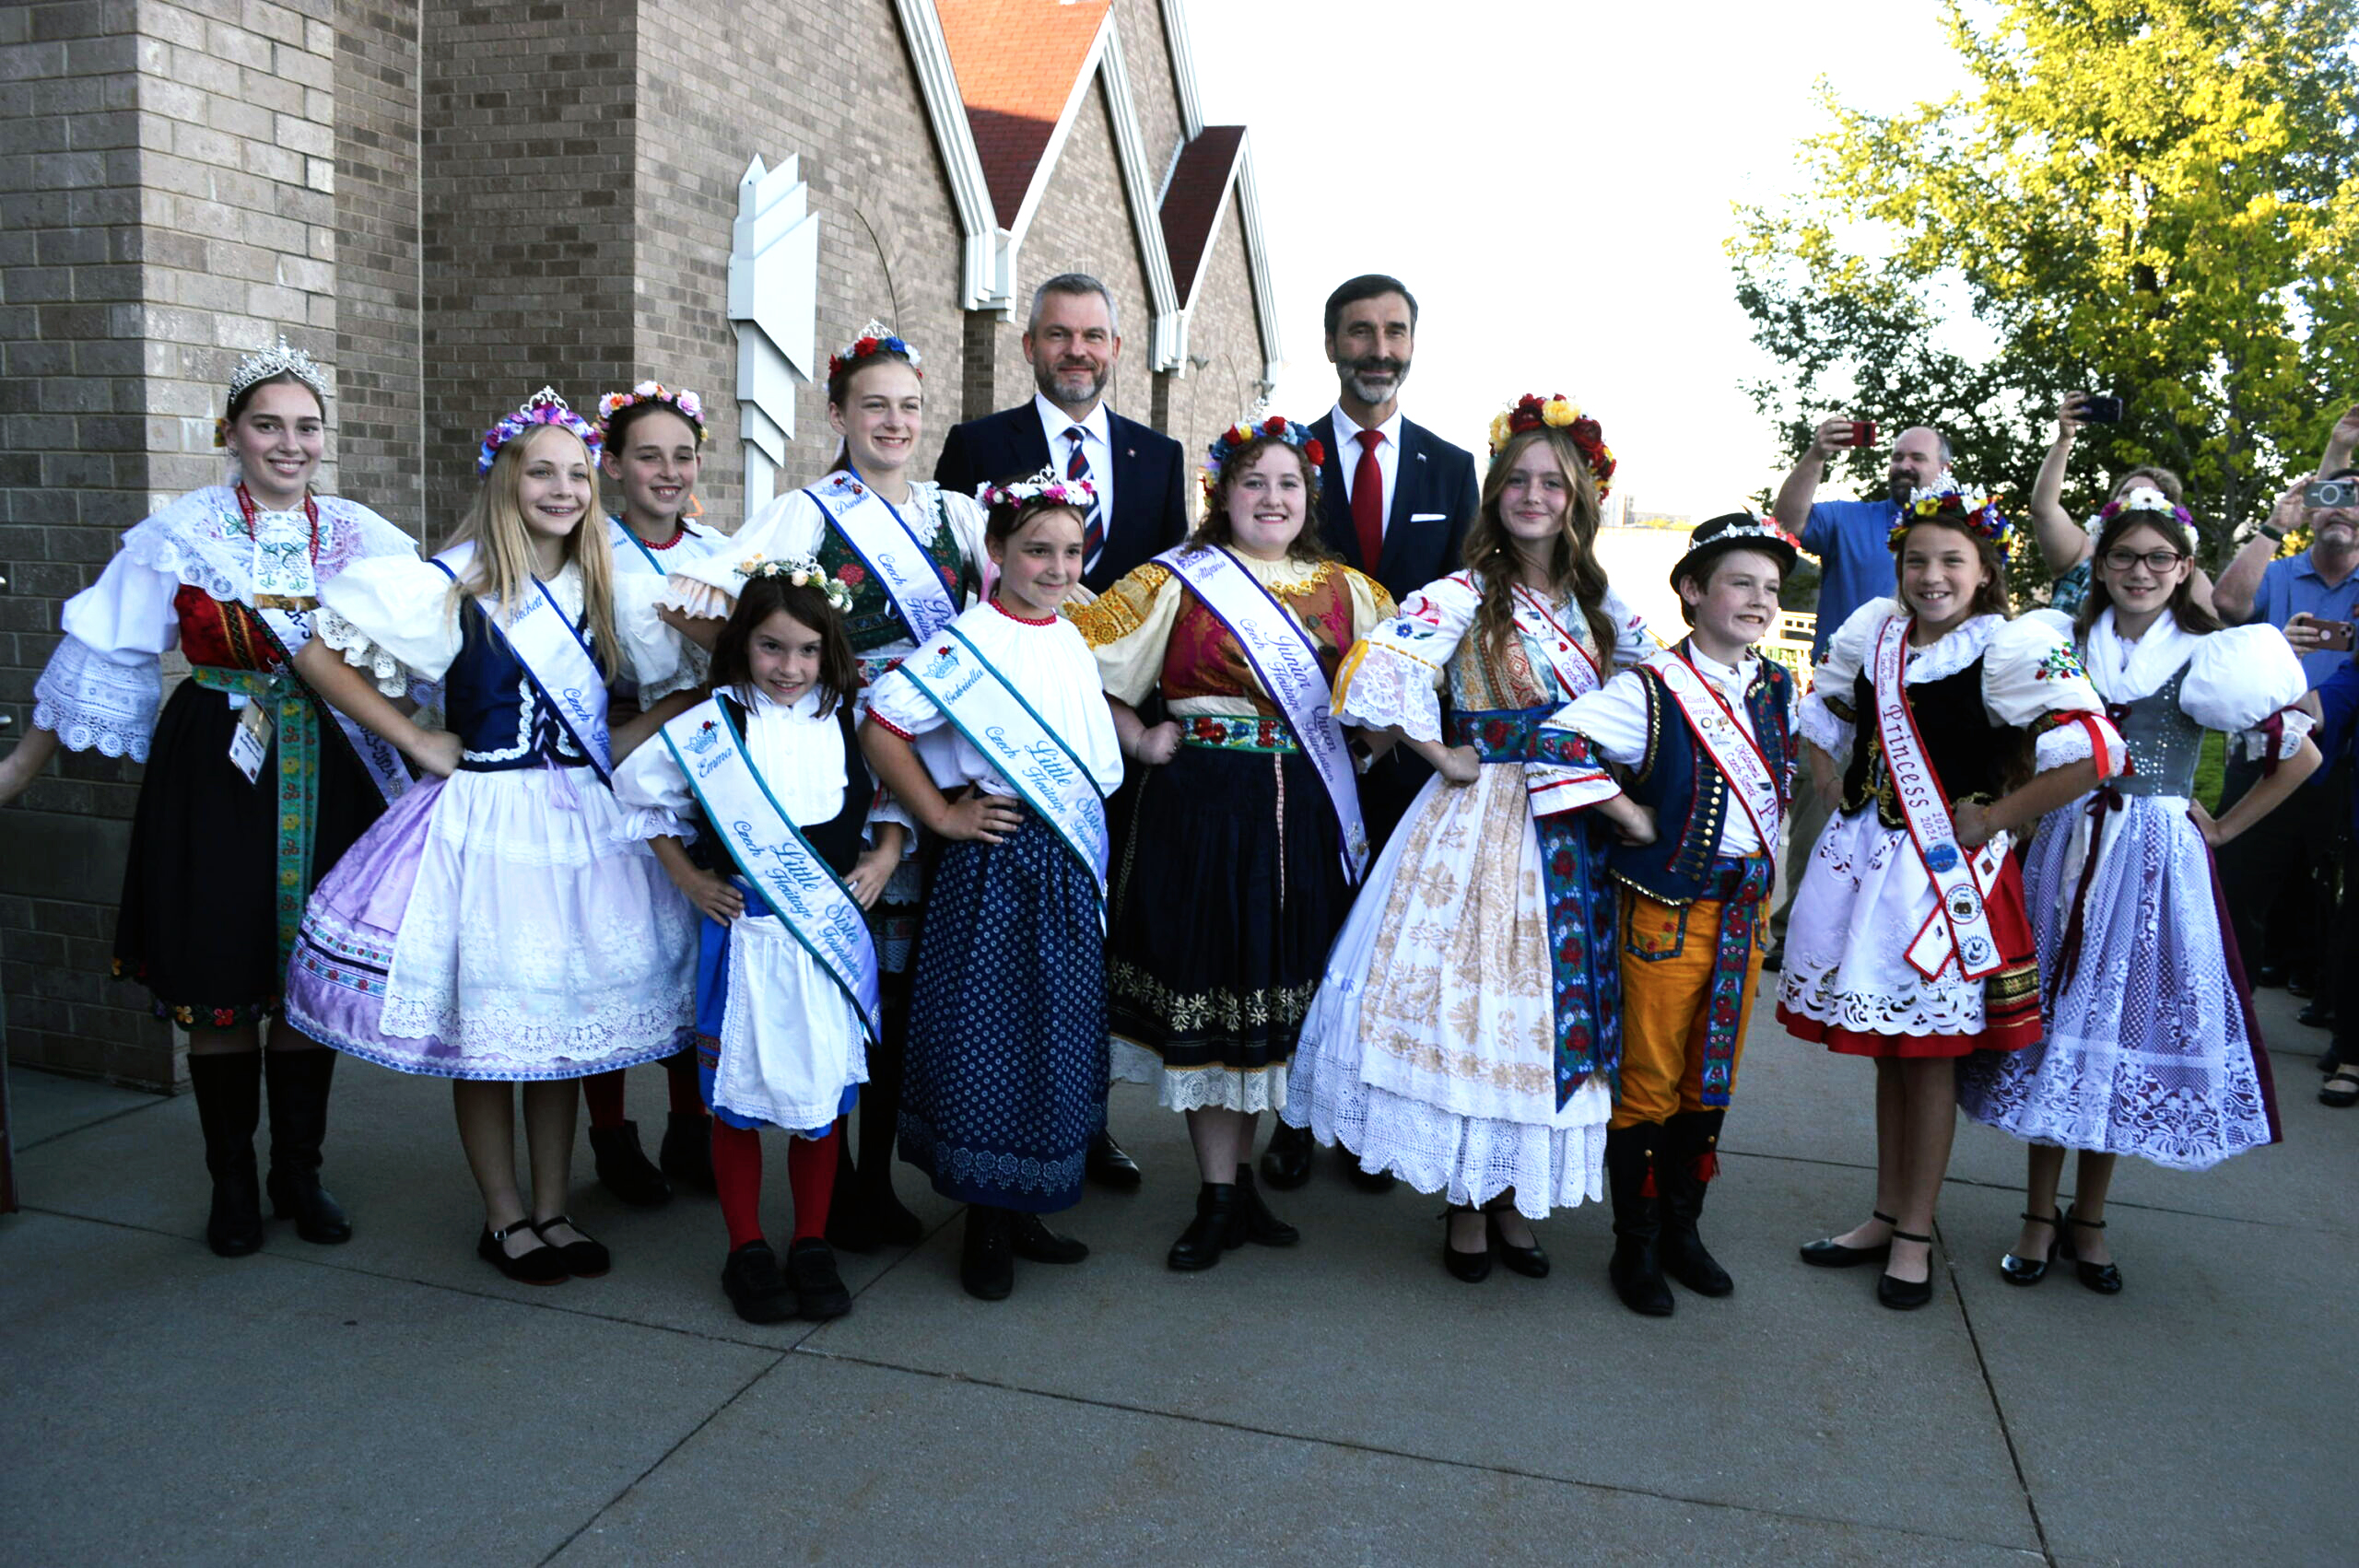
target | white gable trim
x=985, y=275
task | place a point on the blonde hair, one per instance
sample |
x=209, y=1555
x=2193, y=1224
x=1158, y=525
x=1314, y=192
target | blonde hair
x=502, y=567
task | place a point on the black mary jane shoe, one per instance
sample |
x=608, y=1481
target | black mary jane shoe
x=1474, y=1268
x=2102, y=1278
x=987, y=1255
x=1906, y=1296
x=584, y=1260
x=624, y=1169
x=1030, y=1237
x=1529, y=1261
x=1111, y=1166
x=819, y=1293
x=1206, y=1237
x=543, y=1265
x=1251, y=1219
x=2031, y=1271
x=1833, y=1254
x=2341, y=1088
x=754, y=1285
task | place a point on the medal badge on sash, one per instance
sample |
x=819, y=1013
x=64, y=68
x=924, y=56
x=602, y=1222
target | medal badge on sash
x=1286, y=662
x=1960, y=924
x=810, y=900
x=893, y=553
x=559, y=662
x=996, y=721
x=1725, y=739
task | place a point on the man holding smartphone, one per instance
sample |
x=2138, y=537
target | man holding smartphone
x=1852, y=542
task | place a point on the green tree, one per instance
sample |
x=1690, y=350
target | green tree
x=2159, y=199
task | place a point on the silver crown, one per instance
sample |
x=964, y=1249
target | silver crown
x=283, y=360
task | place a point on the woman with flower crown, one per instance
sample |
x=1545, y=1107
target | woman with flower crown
x=1466, y=1033
x=507, y=925
x=2150, y=1049
x=913, y=555
x=651, y=446
x=1908, y=941
x=255, y=785
x=1247, y=836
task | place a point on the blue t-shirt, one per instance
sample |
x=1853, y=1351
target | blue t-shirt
x=2291, y=587
x=1852, y=542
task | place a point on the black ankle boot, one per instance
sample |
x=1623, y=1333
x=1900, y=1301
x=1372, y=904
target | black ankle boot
x=228, y=1108
x=1251, y=1219
x=987, y=1259
x=1201, y=1245
x=1691, y=1157
x=624, y=1169
x=1635, y=1271
x=687, y=1154
x=299, y=1123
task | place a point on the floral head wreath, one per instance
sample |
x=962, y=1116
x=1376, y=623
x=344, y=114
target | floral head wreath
x=1558, y=413
x=1045, y=486
x=1978, y=515
x=1276, y=428
x=265, y=365
x=874, y=338
x=2143, y=499
x=543, y=408
x=802, y=571
x=685, y=404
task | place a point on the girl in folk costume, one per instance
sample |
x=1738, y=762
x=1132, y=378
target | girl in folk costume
x=786, y=975
x=1707, y=732
x=1247, y=836
x=650, y=443
x=1465, y=1034
x=2152, y=1048
x=506, y=925
x=913, y=555
x=1908, y=941
x=1007, y=1037
x=254, y=787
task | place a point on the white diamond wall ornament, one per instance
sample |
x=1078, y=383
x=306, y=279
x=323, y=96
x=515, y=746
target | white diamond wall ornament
x=774, y=305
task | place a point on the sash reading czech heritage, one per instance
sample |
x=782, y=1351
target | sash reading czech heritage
x=546, y=642
x=894, y=555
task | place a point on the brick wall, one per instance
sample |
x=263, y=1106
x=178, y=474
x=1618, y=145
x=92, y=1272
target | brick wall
x=378, y=423
x=1154, y=95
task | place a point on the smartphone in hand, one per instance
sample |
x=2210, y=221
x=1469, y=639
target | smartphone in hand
x=1862, y=434
x=2099, y=409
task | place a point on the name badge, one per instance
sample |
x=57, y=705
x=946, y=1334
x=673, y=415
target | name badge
x=250, y=741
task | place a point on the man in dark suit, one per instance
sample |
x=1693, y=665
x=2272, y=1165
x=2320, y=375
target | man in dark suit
x=1073, y=343
x=1395, y=501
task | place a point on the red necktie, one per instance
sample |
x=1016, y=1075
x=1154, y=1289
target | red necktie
x=1368, y=501
x=1093, y=527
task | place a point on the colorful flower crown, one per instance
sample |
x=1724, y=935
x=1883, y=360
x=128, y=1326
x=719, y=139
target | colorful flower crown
x=2143, y=499
x=685, y=404
x=1558, y=413
x=1978, y=515
x=543, y=408
x=1276, y=428
x=1047, y=485
x=261, y=366
x=802, y=571
x=874, y=338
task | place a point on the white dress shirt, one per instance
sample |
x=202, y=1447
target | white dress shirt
x=1097, y=444
x=1615, y=718
x=1388, y=459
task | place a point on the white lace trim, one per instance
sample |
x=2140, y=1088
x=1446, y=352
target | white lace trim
x=385, y=672
x=648, y=822
x=1822, y=729
x=201, y=540
x=1472, y=1160
x=91, y=703
x=1201, y=1088
x=1959, y=647
x=1391, y=687
x=694, y=669
x=2065, y=744
x=1862, y=902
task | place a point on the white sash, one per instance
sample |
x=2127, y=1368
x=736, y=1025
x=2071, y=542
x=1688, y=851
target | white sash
x=1576, y=671
x=1286, y=662
x=998, y=722
x=810, y=900
x=620, y=534
x=1959, y=925
x=1731, y=746
x=554, y=655
x=378, y=755
x=894, y=556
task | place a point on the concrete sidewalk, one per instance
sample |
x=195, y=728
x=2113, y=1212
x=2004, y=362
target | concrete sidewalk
x=395, y=1401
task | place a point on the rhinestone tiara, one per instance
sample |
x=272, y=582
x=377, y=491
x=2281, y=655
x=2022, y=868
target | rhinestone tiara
x=283, y=360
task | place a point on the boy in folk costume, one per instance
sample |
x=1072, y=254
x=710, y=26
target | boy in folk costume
x=1707, y=732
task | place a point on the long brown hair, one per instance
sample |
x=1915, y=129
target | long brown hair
x=1573, y=567
x=1989, y=595
x=762, y=597
x=2190, y=615
x=1216, y=528
x=503, y=561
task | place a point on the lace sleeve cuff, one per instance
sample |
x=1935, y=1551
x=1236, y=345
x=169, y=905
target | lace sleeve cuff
x=2079, y=735
x=385, y=672
x=699, y=600
x=91, y=703
x=890, y=810
x=1383, y=686
x=1822, y=729
x=642, y=824
x=694, y=665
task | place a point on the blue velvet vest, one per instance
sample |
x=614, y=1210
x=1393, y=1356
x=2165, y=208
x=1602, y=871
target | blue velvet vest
x=489, y=701
x=1689, y=794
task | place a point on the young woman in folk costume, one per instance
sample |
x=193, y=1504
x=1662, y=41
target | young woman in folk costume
x=255, y=786
x=1247, y=836
x=506, y=925
x=913, y=555
x=1908, y=942
x=651, y=446
x=786, y=973
x=1006, y=1080
x=2152, y=1048
x=1466, y=1034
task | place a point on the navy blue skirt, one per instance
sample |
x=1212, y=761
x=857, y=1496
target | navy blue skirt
x=1006, y=1071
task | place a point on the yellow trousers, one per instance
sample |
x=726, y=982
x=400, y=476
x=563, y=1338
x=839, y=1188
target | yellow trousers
x=1669, y=955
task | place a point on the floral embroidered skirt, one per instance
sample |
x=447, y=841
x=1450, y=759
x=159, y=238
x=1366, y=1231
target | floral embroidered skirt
x=1227, y=896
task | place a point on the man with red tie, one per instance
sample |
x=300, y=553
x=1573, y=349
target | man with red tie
x=1395, y=501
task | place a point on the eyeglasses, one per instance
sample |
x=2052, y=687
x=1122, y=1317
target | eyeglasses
x=2156, y=561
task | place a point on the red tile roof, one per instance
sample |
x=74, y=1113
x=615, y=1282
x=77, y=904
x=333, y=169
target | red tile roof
x=1016, y=62
x=1193, y=202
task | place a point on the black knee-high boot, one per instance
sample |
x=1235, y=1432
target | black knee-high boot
x=298, y=1122
x=1690, y=1158
x=1637, y=1273
x=228, y=1108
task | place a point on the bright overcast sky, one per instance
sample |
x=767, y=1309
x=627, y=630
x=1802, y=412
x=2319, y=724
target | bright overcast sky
x=1555, y=184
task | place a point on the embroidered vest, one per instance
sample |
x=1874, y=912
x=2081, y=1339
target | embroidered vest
x=2163, y=742
x=836, y=839
x=1689, y=795
x=1976, y=759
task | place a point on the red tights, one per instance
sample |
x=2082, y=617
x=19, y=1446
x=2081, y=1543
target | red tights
x=602, y=1092
x=737, y=1170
